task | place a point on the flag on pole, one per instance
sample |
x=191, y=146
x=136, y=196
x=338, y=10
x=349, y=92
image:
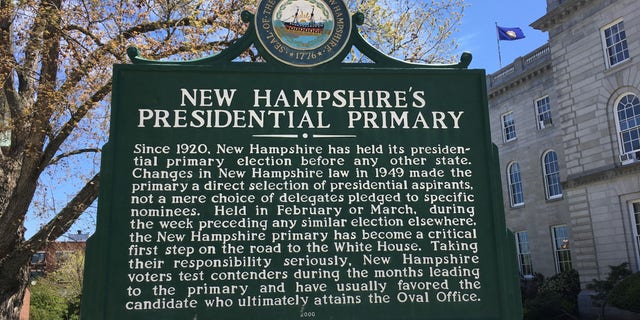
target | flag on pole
x=505, y=33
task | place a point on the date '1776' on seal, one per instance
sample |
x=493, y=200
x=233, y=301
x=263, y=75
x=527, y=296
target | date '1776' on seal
x=303, y=33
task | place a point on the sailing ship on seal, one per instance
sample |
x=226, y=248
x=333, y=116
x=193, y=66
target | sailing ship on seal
x=310, y=27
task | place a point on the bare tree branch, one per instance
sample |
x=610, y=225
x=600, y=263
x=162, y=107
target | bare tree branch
x=213, y=45
x=86, y=32
x=65, y=218
x=94, y=58
x=71, y=124
x=73, y=153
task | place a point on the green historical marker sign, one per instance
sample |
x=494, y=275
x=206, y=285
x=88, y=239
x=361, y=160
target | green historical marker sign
x=301, y=187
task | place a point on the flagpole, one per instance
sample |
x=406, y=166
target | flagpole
x=498, y=40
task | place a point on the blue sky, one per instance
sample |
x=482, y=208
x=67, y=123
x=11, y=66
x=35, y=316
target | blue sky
x=477, y=33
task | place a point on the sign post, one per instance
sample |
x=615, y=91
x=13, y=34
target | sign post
x=303, y=187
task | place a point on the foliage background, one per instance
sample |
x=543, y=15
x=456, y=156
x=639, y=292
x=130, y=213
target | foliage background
x=57, y=295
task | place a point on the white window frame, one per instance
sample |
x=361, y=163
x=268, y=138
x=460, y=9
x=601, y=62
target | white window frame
x=626, y=156
x=42, y=256
x=511, y=127
x=635, y=223
x=548, y=175
x=543, y=119
x=62, y=255
x=511, y=183
x=521, y=254
x=561, y=242
x=622, y=42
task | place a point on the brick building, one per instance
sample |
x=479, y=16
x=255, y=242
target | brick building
x=43, y=262
x=47, y=260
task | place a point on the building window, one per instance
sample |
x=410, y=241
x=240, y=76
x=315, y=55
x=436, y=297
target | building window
x=561, y=248
x=524, y=253
x=543, y=110
x=615, y=43
x=628, y=116
x=515, y=185
x=508, y=127
x=38, y=258
x=552, y=175
x=38, y=264
x=635, y=221
x=61, y=256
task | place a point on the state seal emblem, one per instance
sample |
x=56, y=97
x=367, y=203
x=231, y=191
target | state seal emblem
x=303, y=33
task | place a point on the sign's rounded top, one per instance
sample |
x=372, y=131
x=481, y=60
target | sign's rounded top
x=303, y=33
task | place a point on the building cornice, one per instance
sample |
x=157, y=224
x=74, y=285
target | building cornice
x=521, y=70
x=499, y=90
x=605, y=174
x=559, y=14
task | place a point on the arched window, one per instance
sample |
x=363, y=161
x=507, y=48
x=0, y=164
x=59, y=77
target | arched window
x=515, y=185
x=628, y=116
x=551, y=170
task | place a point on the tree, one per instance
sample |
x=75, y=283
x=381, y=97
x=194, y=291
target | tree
x=55, y=64
x=46, y=302
x=412, y=30
x=603, y=288
x=57, y=295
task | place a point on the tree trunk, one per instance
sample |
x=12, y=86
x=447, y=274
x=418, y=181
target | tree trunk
x=14, y=268
x=14, y=279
